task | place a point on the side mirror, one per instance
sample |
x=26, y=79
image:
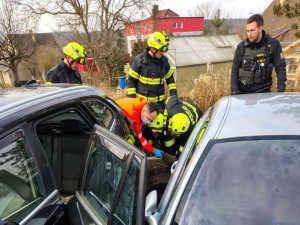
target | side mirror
x=152, y=217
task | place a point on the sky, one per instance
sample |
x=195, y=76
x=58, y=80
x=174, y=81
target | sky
x=237, y=8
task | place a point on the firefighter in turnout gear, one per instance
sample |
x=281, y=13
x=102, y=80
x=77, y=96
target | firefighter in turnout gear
x=183, y=117
x=140, y=112
x=149, y=70
x=66, y=71
x=254, y=60
x=159, y=136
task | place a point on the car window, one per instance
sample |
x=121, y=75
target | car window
x=244, y=182
x=64, y=138
x=125, y=212
x=20, y=184
x=100, y=112
x=102, y=178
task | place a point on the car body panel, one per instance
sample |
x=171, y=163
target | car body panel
x=274, y=111
x=22, y=108
x=242, y=116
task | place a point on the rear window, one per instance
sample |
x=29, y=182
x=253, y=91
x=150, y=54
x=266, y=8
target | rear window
x=244, y=182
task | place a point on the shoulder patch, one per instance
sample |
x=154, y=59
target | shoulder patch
x=281, y=55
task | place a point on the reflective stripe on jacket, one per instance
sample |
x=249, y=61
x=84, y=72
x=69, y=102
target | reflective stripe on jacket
x=132, y=108
x=147, y=75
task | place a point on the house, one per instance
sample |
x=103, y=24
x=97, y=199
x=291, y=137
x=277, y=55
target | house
x=192, y=56
x=163, y=20
x=279, y=26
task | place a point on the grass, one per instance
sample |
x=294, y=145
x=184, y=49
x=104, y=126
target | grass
x=204, y=91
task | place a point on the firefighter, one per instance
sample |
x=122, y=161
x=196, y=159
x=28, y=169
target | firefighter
x=66, y=71
x=140, y=112
x=159, y=136
x=183, y=117
x=149, y=70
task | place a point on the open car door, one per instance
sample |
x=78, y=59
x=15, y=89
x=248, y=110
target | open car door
x=112, y=183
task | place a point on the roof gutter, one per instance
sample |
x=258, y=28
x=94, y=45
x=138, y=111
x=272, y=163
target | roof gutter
x=276, y=35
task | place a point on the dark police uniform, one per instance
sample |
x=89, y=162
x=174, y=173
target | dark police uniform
x=253, y=64
x=194, y=113
x=146, y=78
x=61, y=73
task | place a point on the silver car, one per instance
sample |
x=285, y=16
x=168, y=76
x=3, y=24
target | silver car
x=241, y=165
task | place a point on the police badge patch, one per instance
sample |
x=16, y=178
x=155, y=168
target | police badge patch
x=281, y=55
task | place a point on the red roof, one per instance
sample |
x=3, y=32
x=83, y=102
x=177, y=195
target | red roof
x=165, y=14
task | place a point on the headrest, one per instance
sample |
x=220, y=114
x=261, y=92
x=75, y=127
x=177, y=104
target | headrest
x=71, y=127
x=43, y=128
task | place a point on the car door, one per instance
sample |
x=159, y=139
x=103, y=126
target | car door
x=24, y=194
x=112, y=182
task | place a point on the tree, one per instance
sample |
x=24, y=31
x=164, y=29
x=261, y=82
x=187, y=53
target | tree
x=137, y=48
x=217, y=22
x=96, y=23
x=211, y=11
x=16, y=43
x=289, y=12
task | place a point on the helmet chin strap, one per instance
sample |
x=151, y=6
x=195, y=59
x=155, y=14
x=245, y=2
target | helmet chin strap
x=154, y=53
x=70, y=63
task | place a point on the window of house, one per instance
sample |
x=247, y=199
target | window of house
x=181, y=24
x=149, y=27
x=131, y=29
x=144, y=27
x=175, y=25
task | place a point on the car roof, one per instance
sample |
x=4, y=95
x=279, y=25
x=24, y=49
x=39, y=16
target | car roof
x=258, y=114
x=16, y=99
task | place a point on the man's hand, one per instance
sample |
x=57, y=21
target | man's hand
x=158, y=153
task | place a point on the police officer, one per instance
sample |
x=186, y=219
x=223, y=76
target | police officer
x=66, y=71
x=183, y=117
x=149, y=70
x=254, y=60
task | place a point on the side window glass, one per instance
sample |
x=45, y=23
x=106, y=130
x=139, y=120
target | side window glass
x=102, y=178
x=125, y=212
x=20, y=184
x=100, y=112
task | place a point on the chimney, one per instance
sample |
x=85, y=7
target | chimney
x=154, y=11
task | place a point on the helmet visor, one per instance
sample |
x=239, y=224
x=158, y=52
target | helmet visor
x=81, y=60
x=164, y=48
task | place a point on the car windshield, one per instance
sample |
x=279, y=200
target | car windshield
x=244, y=182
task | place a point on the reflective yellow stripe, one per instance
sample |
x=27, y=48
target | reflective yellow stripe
x=172, y=86
x=152, y=99
x=48, y=83
x=168, y=99
x=180, y=148
x=193, y=108
x=170, y=143
x=169, y=73
x=155, y=81
x=131, y=91
x=134, y=74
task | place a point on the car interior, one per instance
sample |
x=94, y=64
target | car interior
x=64, y=139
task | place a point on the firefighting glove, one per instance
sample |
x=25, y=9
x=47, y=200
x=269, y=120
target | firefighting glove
x=158, y=153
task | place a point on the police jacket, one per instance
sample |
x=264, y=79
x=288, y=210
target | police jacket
x=194, y=113
x=61, y=73
x=253, y=64
x=132, y=107
x=146, y=77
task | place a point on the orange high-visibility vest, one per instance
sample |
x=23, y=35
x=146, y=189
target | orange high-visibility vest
x=132, y=107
